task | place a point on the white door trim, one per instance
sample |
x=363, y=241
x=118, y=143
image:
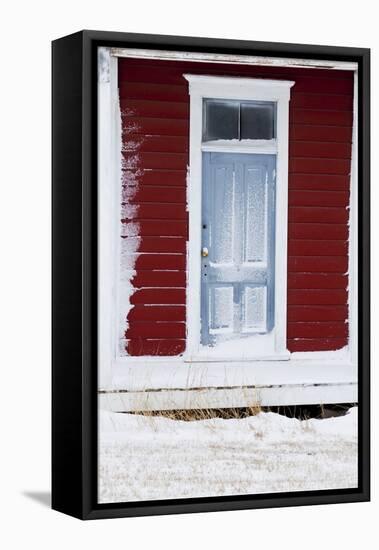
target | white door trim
x=204, y=86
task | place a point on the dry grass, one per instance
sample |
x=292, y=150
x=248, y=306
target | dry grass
x=299, y=412
x=189, y=415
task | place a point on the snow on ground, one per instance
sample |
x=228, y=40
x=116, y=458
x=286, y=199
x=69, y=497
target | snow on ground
x=144, y=458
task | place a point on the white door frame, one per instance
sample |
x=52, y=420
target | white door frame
x=215, y=87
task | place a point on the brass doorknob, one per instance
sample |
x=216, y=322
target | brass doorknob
x=204, y=251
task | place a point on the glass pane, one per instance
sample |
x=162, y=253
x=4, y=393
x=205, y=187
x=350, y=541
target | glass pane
x=257, y=120
x=221, y=120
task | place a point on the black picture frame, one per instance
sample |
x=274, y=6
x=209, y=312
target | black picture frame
x=74, y=272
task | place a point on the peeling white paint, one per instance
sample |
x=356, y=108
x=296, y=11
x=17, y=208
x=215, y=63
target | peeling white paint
x=130, y=241
x=132, y=145
x=231, y=58
x=130, y=163
x=130, y=127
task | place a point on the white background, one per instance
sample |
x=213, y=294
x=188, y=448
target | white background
x=27, y=29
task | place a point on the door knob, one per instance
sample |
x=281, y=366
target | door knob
x=204, y=251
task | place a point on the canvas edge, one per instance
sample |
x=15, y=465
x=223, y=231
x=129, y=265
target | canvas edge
x=84, y=502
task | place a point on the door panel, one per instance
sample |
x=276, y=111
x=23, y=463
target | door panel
x=254, y=308
x=255, y=209
x=221, y=309
x=238, y=224
x=221, y=240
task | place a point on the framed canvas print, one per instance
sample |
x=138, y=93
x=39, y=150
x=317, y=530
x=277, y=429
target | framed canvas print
x=210, y=274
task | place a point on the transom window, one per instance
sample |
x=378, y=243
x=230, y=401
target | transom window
x=233, y=119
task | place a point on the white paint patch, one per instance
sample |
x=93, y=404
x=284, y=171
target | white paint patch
x=130, y=127
x=131, y=162
x=244, y=347
x=147, y=458
x=132, y=144
x=130, y=237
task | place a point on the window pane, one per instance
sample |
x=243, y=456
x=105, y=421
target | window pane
x=257, y=120
x=221, y=120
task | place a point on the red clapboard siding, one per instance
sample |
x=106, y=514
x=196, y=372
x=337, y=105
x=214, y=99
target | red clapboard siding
x=154, y=105
x=317, y=313
x=161, y=178
x=153, y=228
x=158, y=313
x=316, y=344
x=157, y=278
x=157, y=144
x=314, y=264
x=155, y=109
x=154, y=126
x=321, y=118
x=320, y=150
x=159, y=194
x=149, y=161
x=161, y=244
x=159, y=329
x=319, y=166
x=328, y=297
x=172, y=74
x=323, y=231
x=149, y=211
x=325, y=102
x=303, y=131
x=155, y=92
x=317, y=248
x=302, y=329
x=318, y=198
x=317, y=214
x=319, y=85
x=171, y=296
x=160, y=261
x=167, y=346
x=317, y=280
x=319, y=182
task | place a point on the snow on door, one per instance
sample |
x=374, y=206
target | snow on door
x=238, y=247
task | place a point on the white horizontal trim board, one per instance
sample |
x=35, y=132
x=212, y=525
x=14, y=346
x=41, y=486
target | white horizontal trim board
x=179, y=385
x=230, y=58
x=179, y=374
x=214, y=398
x=259, y=147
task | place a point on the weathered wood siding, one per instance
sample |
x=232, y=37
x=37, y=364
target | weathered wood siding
x=154, y=104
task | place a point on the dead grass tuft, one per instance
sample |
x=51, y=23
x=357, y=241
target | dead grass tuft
x=190, y=415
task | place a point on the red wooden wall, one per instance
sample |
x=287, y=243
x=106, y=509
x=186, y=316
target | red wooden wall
x=155, y=122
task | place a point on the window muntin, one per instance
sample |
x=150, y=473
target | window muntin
x=238, y=120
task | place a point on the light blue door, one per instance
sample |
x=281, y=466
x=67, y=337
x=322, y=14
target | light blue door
x=238, y=246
